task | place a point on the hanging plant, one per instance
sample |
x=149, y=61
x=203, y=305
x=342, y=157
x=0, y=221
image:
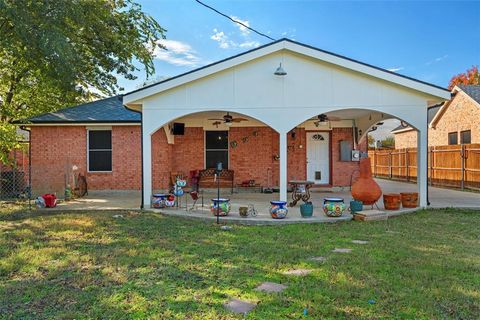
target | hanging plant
x=233, y=144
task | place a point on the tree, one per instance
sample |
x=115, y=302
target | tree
x=471, y=76
x=370, y=140
x=388, y=142
x=58, y=53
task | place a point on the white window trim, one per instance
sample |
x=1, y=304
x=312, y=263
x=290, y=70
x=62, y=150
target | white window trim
x=88, y=147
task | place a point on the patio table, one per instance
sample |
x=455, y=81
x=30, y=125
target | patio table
x=301, y=191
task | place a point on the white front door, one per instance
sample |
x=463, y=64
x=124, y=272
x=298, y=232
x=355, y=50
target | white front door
x=318, y=157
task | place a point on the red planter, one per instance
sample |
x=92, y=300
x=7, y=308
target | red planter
x=391, y=201
x=409, y=199
x=365, y=188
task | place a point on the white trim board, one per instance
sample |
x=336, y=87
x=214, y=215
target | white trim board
x=134, y=97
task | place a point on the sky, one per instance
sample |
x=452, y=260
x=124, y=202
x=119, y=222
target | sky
x=426, y=40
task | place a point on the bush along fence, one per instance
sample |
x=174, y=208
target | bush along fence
x=449, y=166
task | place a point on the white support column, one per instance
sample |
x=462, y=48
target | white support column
x=147, y=169
x=422, y=171
x=283, y=166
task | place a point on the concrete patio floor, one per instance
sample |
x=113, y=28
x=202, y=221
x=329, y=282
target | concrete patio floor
x=130, y=200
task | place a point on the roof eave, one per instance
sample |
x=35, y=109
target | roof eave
x=136, y=96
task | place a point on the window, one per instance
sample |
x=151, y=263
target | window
x=452, y=138
x=99, y=150
x=216, y=149
x=465, y=137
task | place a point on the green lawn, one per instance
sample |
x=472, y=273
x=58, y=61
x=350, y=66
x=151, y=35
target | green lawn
x=90, y=265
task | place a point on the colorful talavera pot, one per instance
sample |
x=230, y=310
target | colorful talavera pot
x=181, y=183
x=220, y=206
x=333, y=207
x=170, y=201
x=158, y=200
x=278, y=209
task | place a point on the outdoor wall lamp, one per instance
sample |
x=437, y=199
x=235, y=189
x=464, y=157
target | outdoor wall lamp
x=280, y=71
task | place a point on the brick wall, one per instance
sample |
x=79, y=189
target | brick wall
x=342, y=170
x=254, y=158
x=56, y=151
x=188, y=151
x=407, y=139
x=462, y=114
x=161, y=160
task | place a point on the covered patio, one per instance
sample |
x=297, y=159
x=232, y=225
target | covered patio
x=118, y=201
x=285, y=86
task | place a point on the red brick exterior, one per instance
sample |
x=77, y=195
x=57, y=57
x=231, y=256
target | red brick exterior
x=56, y=150
x=342, y=170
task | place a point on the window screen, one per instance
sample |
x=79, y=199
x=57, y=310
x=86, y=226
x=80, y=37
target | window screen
x=100, y=150
x=216, y=149
x=465, y=137
x=452, y=138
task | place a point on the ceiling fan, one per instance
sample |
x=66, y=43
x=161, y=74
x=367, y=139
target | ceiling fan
x=227, y=119
x=324, y=119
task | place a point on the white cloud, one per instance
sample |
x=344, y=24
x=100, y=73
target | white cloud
x=243, y=29
x=290, y=33
x=235, y=40
x=396, y=69
x=225, y=42
x=178, y=53
x=437, y=60
x=221, y=38
x=249, y=44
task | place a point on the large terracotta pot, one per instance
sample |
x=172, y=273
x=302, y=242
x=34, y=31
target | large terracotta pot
x=365, y=188
x=409, y=199
x=391, y=201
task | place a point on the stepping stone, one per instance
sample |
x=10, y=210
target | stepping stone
x=297, y=272
x=318, y=259
x=342, y=250
x=271, y=287
x=359, y=241
x=239, y=306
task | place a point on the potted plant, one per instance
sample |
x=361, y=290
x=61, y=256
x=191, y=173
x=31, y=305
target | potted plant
x=306, y=209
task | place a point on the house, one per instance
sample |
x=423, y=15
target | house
x=279, y=112
x=453, y=122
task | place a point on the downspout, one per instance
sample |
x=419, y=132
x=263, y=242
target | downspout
x=29, y=165
x=428, y=198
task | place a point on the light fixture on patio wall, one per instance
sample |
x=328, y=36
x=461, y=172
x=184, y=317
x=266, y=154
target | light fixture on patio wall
x=280, y=71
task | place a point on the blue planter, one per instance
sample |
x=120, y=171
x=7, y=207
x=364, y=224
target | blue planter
x=159, y=200
x=278, y=209
x=356, y=206
x=306, y=210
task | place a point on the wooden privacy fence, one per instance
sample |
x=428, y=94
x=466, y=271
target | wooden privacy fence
x=451, y=166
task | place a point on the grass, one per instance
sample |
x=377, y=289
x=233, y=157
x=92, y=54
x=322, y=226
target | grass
x=90, y=265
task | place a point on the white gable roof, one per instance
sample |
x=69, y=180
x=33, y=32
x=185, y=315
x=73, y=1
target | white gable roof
x=286, y=44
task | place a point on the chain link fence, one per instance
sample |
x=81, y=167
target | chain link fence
x=14, y=177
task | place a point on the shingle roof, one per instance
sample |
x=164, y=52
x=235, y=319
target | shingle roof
x=100, y=111
x=432, y=111
x=472, y=90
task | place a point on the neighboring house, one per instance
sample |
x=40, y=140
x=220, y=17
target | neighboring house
x=265, y=121
x=453, y=122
